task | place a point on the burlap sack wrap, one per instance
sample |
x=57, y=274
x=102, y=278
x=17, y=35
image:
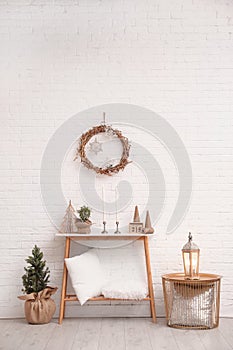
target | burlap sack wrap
x=39, y=308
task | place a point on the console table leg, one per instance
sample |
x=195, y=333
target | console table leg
x=64, y=282
x=149, y=279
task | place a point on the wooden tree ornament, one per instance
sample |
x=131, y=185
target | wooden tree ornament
x=136, y=217
x=148, y=228
x=68, y=223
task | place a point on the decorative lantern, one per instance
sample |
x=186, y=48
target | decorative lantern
x=191, y=254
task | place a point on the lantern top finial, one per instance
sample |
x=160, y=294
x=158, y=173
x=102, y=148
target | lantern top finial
x=190, y=245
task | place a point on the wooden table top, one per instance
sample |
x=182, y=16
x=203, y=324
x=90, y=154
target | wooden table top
x=203, y=277
x=105, y=236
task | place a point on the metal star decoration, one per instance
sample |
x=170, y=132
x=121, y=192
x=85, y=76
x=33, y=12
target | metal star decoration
x=96, y=146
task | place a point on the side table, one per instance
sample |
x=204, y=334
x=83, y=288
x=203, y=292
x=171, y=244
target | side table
x=192, y=303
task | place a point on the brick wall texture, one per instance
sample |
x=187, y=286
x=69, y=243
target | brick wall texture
x=63, y=56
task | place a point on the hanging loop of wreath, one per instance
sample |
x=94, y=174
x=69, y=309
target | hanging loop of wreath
x=109, y=170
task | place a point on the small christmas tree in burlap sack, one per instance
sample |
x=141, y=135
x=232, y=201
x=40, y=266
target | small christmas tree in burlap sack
x=36, y=277
x=68, y=223
x=39, y=307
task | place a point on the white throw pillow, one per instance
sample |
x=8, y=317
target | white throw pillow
x=130, y=289
x=86, y=274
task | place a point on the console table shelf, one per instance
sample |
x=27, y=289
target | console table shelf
x=78, y=237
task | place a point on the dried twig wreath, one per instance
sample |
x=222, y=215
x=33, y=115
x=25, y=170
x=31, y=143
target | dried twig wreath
x=109, y=170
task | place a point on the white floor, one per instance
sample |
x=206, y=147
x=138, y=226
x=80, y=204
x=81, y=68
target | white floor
x=112, y=334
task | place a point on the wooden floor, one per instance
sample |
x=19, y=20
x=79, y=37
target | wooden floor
x=112, y=334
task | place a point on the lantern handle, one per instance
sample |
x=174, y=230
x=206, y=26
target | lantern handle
x=190, y=237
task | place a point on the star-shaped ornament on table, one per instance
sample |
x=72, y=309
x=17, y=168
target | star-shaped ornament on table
x=95, y=147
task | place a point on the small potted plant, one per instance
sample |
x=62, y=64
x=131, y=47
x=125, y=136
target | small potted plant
x=39, y=308
x=83, y=223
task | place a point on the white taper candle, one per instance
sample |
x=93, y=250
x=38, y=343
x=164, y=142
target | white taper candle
x=116, y=204
x=103, y=203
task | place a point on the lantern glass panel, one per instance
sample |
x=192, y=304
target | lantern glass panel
x=191, y=264
x=186, y=258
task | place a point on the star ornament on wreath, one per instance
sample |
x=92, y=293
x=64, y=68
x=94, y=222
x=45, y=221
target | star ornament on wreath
x=96, y=147
x=110, y=132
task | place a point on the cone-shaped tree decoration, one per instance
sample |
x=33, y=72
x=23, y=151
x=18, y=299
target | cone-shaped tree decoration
x=68, y=223
x=147, y=222
x=136, y=215
x=148, y=228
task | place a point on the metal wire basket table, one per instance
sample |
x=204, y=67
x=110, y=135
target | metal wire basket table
x=192, y=303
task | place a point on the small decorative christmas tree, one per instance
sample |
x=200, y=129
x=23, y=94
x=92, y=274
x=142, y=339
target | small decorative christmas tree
x=148, y=228
x=68, y=224
x=37, y=275
x=136, y=217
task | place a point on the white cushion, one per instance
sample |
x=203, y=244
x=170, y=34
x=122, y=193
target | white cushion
x=125, y=272
x=86, y=274
x=130, y=289
x=126, y=263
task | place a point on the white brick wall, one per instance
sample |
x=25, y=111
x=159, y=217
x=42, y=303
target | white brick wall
x=60, y=57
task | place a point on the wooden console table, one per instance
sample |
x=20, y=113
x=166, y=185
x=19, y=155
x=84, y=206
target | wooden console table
x=78, y=237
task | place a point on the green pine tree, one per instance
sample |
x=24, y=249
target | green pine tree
x=36, y=276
